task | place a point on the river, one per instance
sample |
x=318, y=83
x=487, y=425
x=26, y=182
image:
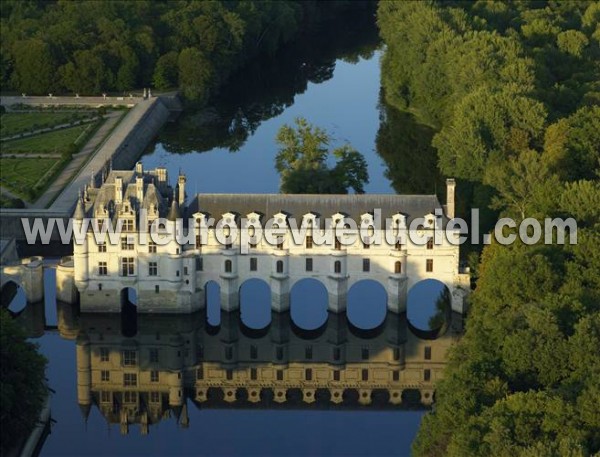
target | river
x=230, y=148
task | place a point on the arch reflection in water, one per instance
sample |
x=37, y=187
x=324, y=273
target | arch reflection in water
x=428, y=305
x=213, y=303
x=174, y=362
x=308, y=304
x=367, y=304
x=13, y=297
x=255, y=304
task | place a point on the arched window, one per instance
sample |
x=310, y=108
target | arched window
x=280, y=266
x=337, y=266
x=228, y=266
x=398, y=267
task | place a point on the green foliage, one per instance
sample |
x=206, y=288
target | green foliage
x=94, y=47
x=302, y=162
x=513, y=90
x=23, y=388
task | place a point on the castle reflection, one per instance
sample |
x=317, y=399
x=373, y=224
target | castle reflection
x=171, y=362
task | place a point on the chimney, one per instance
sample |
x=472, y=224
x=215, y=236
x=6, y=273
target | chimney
x=161, y=173
x=450, y=189
x=118, y=189
x=139, y=189
x=139, y=168
x=181, y=190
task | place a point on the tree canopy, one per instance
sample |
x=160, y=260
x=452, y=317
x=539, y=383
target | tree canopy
x=512, y=90
x=302, y=162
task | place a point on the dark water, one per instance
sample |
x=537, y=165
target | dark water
x=229, y=147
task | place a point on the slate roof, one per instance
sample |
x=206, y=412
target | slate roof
x=324, y=206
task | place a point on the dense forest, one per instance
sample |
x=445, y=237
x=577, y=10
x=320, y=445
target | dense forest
x=91, y=47
x=512, y=91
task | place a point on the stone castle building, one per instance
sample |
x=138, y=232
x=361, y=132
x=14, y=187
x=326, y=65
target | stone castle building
x=172, y=278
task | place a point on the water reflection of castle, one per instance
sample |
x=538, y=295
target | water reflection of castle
x=173, y=359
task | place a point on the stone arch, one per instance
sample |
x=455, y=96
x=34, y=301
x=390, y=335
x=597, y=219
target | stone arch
x=309, y=300
x=429, y=308
x=366, y=304
x=255, y=304
x=13, y=296
x=212, y=300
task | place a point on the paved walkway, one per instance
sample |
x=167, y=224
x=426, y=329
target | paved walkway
x=8, y=193
x=93, y=101
x=78, y=161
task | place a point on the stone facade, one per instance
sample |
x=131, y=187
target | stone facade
x=172, y=277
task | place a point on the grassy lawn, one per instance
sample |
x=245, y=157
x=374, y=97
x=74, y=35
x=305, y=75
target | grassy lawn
x=51, y=142
x=20, y=175
x=16, y=123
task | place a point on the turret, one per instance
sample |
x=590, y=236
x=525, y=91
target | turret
x=118, y=189
x=181, y=190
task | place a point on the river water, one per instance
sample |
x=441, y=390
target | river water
x=230, y=148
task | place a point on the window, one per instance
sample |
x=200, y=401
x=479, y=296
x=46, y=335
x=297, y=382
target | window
x=336, y=353
x=308, y=374
x=308, y=352
x=280, y=266
x=253, y=352
x=253, y=264
x=177, y=273
x=396, y=375
x=200, y=372
x=105, y=375
x=156, y=289
x=100, y=286
x=366, y=265
x=128, y=225
x=253, y=374
x=309, y=242
x=429, y=265
x=229, y=374
x=398, y=246
x=430, y=243
x=365, y=374
x=228, y=245
x=338, y=244
x=427, y=352
x=105, y=397
x=185, y=271
x=280, y=243
x=199, y=264
x=103, y=354
x=367, y=243
x=154, y=397
x=280, y=375
x=128, y=358
x=154, y=355
x=364, y=353
x=176, y=250
x=336, y=375
x=427, y=375
x=126, y=244
x=337, y=266
x=396, y=354
x=154, y=376
x=101, y=246
x=129, y=397
x=129, y=379
x=127, y=266
x=153, y=269
x=151, y=247
x=102, y=269
x=398, y=267
x=198, y=241
x=228, y=266
x=309, y=264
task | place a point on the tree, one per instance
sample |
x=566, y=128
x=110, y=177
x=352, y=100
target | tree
x=195, y=74
x=165, y=72
x=302, y=162
x=34, y=67
x=23, y=388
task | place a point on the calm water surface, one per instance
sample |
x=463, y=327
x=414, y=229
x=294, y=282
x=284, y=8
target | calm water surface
x=345, y=102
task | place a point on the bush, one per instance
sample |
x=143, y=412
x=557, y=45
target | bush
x=23, y=389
